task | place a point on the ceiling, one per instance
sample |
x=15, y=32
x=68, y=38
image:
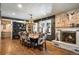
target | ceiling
x=38, y=10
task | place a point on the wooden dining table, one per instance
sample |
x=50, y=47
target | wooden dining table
x=34, y=36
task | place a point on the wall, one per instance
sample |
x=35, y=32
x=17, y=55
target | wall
x=66, y=19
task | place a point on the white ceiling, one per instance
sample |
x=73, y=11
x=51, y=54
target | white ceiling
x=38, y=10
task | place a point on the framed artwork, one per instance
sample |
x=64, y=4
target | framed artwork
x=49, y=28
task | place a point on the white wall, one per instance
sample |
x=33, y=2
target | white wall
x=77, y=38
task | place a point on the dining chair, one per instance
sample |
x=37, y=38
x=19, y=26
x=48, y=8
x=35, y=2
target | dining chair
x=42, y=41
x=23, y=38
x=20, y=35
x=27, y=41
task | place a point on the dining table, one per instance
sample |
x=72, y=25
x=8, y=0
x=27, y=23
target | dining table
x=34, y=36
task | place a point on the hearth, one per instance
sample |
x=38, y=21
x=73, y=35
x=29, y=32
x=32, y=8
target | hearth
x=68, y=37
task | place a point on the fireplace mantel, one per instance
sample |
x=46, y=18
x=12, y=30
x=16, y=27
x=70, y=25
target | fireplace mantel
x=67, y=29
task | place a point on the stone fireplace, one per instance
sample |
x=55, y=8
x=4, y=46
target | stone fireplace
x=67, y=30
x=68, y=37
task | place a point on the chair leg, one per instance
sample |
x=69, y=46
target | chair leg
x=40, y=47
x=45, y=46
x=28, y=45
x=20, y=41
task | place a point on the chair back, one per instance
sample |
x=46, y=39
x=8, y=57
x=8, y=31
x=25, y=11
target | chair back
x=23, y=36
x=42, y=39
x=20, y=34
x=45, y=36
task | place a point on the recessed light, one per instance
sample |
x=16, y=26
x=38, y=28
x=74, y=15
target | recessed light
x=19, y=5
x=13, y=13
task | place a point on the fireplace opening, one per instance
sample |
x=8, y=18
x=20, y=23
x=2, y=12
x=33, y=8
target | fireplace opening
x=68, y=37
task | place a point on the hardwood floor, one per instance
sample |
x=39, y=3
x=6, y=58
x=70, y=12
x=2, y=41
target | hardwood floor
x=13, y=47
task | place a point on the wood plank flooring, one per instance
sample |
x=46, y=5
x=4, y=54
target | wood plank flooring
x=13, y=47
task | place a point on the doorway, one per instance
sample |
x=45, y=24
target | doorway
x=6, y=29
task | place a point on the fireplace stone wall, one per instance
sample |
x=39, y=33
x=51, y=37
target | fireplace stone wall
x=67, y=19
x=64, y=22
